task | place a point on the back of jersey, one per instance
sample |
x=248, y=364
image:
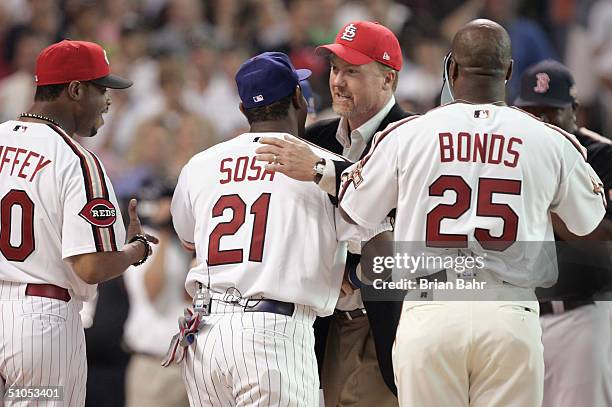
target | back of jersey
x=56, y=202
x=483, y=177
x=259, y=232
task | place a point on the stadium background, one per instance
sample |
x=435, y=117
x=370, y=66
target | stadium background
x=182, y=56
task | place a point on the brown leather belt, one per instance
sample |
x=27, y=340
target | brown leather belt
x=350, y=315
x=47, y=291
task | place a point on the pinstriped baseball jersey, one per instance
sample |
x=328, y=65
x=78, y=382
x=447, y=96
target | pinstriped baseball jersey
x=260, y=232
x=268, y=236
x=484, y=174
x=56, y=202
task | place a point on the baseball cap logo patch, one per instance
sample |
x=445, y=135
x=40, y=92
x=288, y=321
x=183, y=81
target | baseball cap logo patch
x=386, y=56
x=258, y=98
x=543, y=83
x=99, y=212
x=349, y=32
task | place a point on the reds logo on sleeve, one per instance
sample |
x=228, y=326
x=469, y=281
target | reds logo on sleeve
x=99, y=212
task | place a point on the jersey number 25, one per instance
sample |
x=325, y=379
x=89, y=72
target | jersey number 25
x=484, y=207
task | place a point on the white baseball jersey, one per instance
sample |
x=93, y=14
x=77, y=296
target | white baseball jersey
x=476, y=173
x=57, y=202
x=257, y=231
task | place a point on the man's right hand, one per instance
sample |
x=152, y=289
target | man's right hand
x=135, y=228
x=290, y=156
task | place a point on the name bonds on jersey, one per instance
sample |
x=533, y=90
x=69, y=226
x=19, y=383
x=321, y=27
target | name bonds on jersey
x=479, y=147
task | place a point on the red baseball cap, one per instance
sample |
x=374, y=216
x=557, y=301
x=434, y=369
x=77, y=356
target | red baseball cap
x=361, y=42
x=68, y=61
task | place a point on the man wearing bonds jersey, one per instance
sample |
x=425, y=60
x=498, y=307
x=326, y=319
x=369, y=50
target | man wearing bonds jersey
x=455, y=194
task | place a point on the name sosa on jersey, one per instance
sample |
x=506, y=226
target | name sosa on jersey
x=243, y=168
x=485, y=148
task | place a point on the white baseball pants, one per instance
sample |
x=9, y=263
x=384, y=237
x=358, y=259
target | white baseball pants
x=253, y=359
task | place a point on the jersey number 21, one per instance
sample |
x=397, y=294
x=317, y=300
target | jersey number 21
x=259, y=209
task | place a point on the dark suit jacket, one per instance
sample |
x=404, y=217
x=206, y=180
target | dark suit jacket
x=383, y=315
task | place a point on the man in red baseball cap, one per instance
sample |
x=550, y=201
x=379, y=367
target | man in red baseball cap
x=357, y=339
x=65, y=232
x=71, y=81
x=362, y=42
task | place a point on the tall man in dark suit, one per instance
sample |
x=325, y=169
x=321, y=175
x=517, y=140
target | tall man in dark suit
x=365, y=59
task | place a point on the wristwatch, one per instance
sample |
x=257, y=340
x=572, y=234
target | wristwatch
x=319, y=169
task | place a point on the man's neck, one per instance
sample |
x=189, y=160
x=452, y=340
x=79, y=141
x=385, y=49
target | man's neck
x=481, y=93
x=53, y=112
x=273, y=127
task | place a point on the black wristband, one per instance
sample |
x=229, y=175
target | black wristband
x=143, y=239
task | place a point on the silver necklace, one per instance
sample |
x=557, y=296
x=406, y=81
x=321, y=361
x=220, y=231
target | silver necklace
x=39, y=117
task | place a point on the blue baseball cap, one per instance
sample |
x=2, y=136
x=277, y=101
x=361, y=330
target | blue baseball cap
x=547, y=83
x=267, y=78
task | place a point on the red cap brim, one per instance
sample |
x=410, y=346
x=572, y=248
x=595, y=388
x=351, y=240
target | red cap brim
x=348, y=54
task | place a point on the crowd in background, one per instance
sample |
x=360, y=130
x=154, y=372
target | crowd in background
x=183, y=54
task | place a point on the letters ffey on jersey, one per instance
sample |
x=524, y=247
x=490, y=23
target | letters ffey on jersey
x=21, y=162
x=55, y=202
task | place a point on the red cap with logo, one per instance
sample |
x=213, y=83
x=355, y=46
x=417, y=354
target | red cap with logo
x=361, y=42
x=68, y=61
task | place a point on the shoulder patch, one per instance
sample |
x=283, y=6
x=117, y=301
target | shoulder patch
x=99, y=212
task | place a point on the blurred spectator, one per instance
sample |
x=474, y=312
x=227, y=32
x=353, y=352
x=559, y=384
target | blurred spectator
x=83, y=18
x=389, y=13
x=106, y=359
x=109, y=29
x=420, y=80
x=157, y=295
x=212, y=93
x=182, y=19
x=169, y=105
x=146, y=158
x=191, y=137
x=17, y=89
x=46, y=19
x=600, y=31
x=143, y=69
x=530, y=44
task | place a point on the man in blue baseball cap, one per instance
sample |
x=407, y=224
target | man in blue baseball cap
x=265, y=246
x=576, y=331
x=269, y=89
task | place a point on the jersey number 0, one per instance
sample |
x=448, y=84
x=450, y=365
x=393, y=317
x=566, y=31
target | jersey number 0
x=16, y=197
x=259, y=210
